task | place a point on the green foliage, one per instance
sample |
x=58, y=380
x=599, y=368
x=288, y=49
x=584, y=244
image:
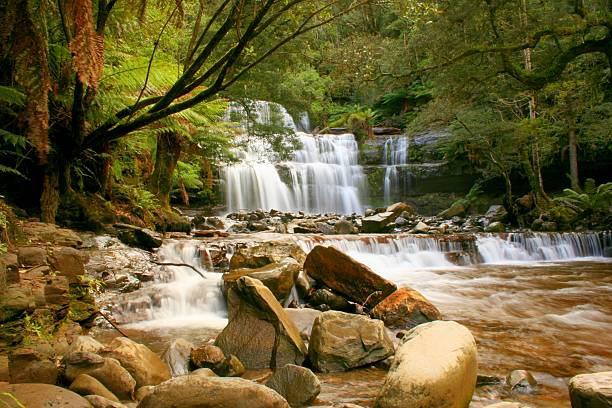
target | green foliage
x=38, y=327
x=471, y=197
x=357, y=119
x=593, y=198
x=9, y=400
x=140, y=200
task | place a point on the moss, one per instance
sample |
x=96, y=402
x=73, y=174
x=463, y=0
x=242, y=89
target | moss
x=89, y=213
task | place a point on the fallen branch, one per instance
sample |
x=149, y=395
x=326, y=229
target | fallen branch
x=180, y=264
x=113, y=324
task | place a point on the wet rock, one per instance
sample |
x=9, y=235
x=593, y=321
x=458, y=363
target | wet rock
x=279, y=277
x=206, y=372
x=303, y=320
x=87, y=385
x=549, y=226
x=68, y=262
x=206, y=356
x=497, y=213
x=404, y=309
x=259, y=332
x=607, y=252
x=262, y=254
x=344, y=227
x=400, y=221
x=495, y=226
x=304, y=284
x=448, y=350
x=231, y=366
x=138, y=237
x=420, y=228
x=347, y=276
x=98, y=401
x=143, y=364
x=332, y=300
x=298, y=385
x=143, y=392
x=401, y=209
x=86, y=343
x=176, y=356
x=27, y=365
x=456, y=210
x=30, y=256
x=340, y=341
x=482, y=379
x=196, y=391
x=521, y=379
x=324, y=228
x=377, y=223
x=44, y=395
x=591, y=390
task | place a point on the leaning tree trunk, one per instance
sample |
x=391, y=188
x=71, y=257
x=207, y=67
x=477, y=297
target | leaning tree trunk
x=166, y=159
x=573, y=159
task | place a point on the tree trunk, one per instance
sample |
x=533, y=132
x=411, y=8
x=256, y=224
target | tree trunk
x=573, y=159
x=166, y=159
x=49, y=200
x=106, y=172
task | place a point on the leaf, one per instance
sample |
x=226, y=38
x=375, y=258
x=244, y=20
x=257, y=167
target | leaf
x=87, y=47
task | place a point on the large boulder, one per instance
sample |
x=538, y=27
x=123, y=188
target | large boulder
x=400, y=208
x=28, y=365
x=259, y=332
x=15, y=301
x=197, y=391
x=455, y=210
x=177, y=356
x=87, y=385
x=143, y=364
x=340, y=341
x=298, y=385
x=434, y=366
x=206, y=356
x=377, y=222
x=68, y=262
x=265, y=253
x=347, y=276
x=497, y=213
x=41, y=395
x=404, y=309
x=30, y=256
x=279, y=277
x=86, y=343
x=303, y=320
x=591, y=390
x=142, y=238
x=98, y=401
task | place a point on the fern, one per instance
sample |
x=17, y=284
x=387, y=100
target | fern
x=12, y=96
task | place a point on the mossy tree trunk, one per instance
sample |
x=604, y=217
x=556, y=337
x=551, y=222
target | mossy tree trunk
x=166, y=159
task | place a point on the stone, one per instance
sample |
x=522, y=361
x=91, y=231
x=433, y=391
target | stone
x=303, y=320
x=304, y=284
x=497, y=213
x=340, y=341
x=42, y=396
x=87, y=385
x=106, y=370
x=143, y=364
x=15, y=301
x=327, y=297
x=521, y=379
x=143, y=392
x=86, y=343
x=40, y=232
x=347, y=276
x=206, y=356
x=507, y=404
x=298, y=385
x=279, y=277
x=455, y=210
x=206, y=372
x=420, y=228
x=591, y=390
x=138, y=237
x=344, y=227
x=231, y=366
x=57, y=291
x=495, y=226
x=377, y=223
x=67, y=262
x=98, y=401
x=30, y=256
x=401, y=208
x=176, y=356
x=27, y=365
x=259, y=332
x=262, y=254
x=607, y=252
x=435, y=366
x=404, y=309
x=549, y=226
x=324, y=228
x=196, y=391
x=10, y=263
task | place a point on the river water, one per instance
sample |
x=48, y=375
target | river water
x=538, y=302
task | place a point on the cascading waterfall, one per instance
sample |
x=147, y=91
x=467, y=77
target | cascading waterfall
x=395, y=153
x=323, y=176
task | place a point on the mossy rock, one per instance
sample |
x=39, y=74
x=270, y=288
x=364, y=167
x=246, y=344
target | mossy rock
x=89, y=213
x=82, y=312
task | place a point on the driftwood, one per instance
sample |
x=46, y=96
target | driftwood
x=113, y=324
x=180, y=264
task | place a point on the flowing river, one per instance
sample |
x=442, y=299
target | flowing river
x=540, y=302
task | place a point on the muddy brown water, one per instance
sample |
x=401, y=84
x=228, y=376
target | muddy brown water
x=553, y=319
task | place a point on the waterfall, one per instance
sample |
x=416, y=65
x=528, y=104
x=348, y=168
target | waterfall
x=323, y=176
x=395, y=153
x=179, y=296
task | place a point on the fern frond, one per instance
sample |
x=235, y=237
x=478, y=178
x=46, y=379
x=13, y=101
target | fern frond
x=12, y=96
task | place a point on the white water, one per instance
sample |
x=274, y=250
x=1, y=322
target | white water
x=395, y=153
x=322, y=177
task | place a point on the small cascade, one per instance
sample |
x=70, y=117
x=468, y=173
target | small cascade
x=179, y=296
x=395, y=153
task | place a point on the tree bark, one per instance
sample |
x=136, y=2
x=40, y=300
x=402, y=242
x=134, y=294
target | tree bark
x=49, y=199
x=166, y=159
x=573, y=159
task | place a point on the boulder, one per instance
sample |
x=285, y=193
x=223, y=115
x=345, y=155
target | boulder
x=259, y=332
x=340, y=341
x=86, y=343
x=521, y=379
x=404, y=309
x=279, y=277
x=42, y=233
x=347, y=276
x=177, y=355
x=143, y=392
x=303, y=320
x=67, y=262
x=455, y=210
x=591, y=390
x=401, y=208
x=57, y=291
x=206, y=372
x=206, y=356
x=10, y=264
x=495, y=226
x=298, y=385
x=507, y=404
x=15, y=301
x=106, y=370
x=434, y=366
x=87, y=385
x=98, y=401
x=344, y=227
x=143, y=364
x=325, y=297
x=231, y=366
x=196, y=391
x=262, y=254
x=30, y=256
x=27, y=365
x=377, y=222
x=42, y=395
x=497, y=213
x=138, y=237
x=420, y=228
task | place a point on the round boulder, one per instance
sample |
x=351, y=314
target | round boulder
x=34, y=395
x=404, y=309
x=591, y=390
x=206, y=356
x=434, y=366
x=87, y=385
x=177, y=356
x=296, y=384
x=143, y=364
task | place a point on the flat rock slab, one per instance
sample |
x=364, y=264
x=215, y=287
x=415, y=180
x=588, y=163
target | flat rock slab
x=347, y=276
